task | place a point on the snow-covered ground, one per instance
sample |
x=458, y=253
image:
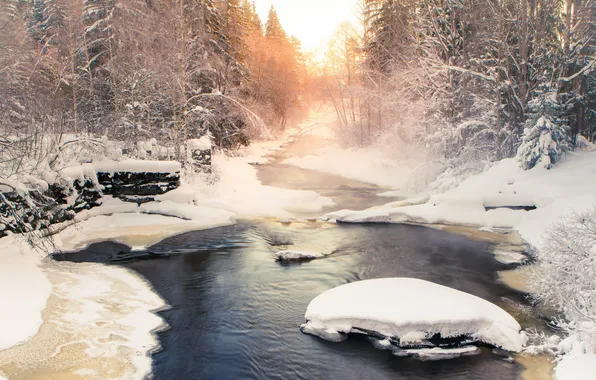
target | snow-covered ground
x=24, y=291
x=576, y=367
x=410, y=311
x=482, y=200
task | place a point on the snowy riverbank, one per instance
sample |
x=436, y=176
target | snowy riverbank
x=506, y=196
x=96, y=321
x=497, y=198
x=88, y=320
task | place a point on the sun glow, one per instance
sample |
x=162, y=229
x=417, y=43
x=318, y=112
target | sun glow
x=313, y=22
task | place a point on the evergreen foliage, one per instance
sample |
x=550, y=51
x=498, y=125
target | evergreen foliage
x=273, y=28
x=546, y=137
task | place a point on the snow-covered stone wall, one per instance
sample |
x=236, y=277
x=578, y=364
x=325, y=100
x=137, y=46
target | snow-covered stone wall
x=23, y=209
x=34, y=210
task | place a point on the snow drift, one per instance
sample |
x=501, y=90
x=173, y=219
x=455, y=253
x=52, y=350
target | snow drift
x=411, y=313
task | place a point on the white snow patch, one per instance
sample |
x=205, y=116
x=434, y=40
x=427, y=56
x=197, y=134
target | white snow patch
x=83, y=372
x=509, y=257
x=24, y=290
x=366, y=165
x=141, y=230
x=438, y=353
x=90, y=170
x=182, y=194
x=412, y=337
x=239, y=190
x=298, y=255
x=137, y=166
x=391, y=193
x=576, y=367
x=204, y=143
x=407, y=307
x=577, y=360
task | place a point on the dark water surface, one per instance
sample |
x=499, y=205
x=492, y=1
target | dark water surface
x=236, y=312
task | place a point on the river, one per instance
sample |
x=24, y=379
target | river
x=235, y=312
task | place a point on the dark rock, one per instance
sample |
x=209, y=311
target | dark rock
x=202, y=160
x=127, y=183
x=517, y=208
x=139, y=200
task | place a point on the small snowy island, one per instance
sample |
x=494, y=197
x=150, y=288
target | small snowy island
x=298, y=255
x=412, y=316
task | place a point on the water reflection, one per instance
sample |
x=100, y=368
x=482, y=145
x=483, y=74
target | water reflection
x=236, y=312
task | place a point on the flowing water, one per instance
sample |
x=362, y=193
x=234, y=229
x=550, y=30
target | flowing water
x=236, y=312
x=347, y=193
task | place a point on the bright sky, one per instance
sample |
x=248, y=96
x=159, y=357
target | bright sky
x=311, y=21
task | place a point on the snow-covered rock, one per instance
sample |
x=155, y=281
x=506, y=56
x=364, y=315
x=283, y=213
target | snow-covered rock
x=409, y=312
x=509, y=257
x=437, y=353
x=203, y=143
x=298, y=255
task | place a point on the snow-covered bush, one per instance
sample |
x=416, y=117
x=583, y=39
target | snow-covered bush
x=564, y=277
x=472, y=140
x=465, y=150
x=546, y=135
x=582, y=143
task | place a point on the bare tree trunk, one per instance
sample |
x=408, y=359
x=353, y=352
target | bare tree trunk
x=524, y=56
x=498, y=102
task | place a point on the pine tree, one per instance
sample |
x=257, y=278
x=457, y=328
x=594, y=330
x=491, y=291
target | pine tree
x=236, y=25
x=98, y=16
x=273, y=28
x=44, y=19
x=388, y=34
x=546, y=135
x=254, y=26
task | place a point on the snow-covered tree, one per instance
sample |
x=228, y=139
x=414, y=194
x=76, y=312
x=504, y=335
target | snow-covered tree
x=273, y=28
x=546, y=136
x=564, y=277
x=44, y=18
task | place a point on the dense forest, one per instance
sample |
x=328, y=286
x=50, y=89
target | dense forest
x=139, y=70
x=471, y=80
x=468, y=81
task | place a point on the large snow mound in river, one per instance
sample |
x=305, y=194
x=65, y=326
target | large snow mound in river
x=409, y=311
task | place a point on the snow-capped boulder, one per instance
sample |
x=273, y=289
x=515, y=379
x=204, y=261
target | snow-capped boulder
x=410, y=313
x=297, y=255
